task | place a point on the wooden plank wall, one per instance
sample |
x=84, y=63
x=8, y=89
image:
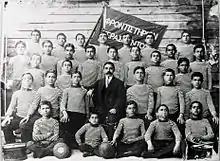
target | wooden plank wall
x=71, y=17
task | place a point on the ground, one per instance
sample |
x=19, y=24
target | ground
x=77, y=156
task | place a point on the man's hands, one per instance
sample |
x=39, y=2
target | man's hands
x=149, y=117
x=7, y=121
x=25, y=120
x=180, y=119
x=215, y=119
x=65, y=117
x=113, y=111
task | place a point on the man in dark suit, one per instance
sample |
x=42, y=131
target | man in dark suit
x=109, y=95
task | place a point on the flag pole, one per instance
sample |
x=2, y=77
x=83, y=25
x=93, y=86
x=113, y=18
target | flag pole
x=102, y=14
x=203, y=27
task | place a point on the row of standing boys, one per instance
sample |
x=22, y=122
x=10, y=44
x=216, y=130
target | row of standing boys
x=67, y=77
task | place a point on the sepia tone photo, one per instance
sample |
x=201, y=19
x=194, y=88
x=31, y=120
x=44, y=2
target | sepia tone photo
x=109, y=79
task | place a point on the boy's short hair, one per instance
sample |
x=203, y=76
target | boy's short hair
x=103, y=32
x=174, y=47
x=45, y=102
x=69, y=45
x=200, y=106
x=78, y=72
x=80, y=34
x=92, y=47
x=184, y=31
x=110, y=63
x=157, y=109
x=180, y=60
x=150, y=33
x=132, y=102
x=47, y=41
x=20, y=42
x=203, y=49
x=197, y=74
x=139, y=67
x=135, y=46
x=112, y=47
x=61, y=34
x=51, y=71
x=155, y=51
x=71, y=64
x=169, y=70
x=94, y=112
x=27, y=74
x=35, y=30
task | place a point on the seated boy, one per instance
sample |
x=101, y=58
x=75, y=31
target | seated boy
x=132, y=131
x=17, y=110
x=198, y=129
x=94, y=135
x=163, y=136
x=45, y=132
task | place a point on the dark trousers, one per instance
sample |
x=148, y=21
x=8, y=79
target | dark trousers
x=162, y=149
x=181, y=127
x=41, y=150
x=27, y=128
x=109, y=123
x=146, y=121
x=88, y=148
x=69, y=129
x=133, y=149
x=8, y=130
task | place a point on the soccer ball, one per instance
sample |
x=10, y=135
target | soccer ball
x=107, y=151
x=61, y=150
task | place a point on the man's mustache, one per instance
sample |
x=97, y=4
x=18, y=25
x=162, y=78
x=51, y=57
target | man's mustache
x=109, y=72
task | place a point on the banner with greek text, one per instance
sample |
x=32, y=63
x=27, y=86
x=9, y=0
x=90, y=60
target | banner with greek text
x=116, y=23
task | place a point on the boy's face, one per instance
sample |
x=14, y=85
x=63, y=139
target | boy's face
x=94, y=120
x=126, y=39
x=102, y=38
x=35, y=36
x=69, y=52
x=66, y=67
x=112, y=54
x=196, y=82
x=149, y=40
x=35, y=61
x=108, y=69
x=195, y=109
x=130, y=110
x=20, y=49
x=90, y=53
x=135, y=53
x=168, y=78
x=45, y=110
x=139, y=75
x=76, y=79
x=51, y=79
x=183, y=67
x=26, y=81
x=186, y=37
x=48, y=47
x=198, y=53
x=170, y=52
x=162, y=113
x=155, y=57
x=80, y=40
x=61, y=40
